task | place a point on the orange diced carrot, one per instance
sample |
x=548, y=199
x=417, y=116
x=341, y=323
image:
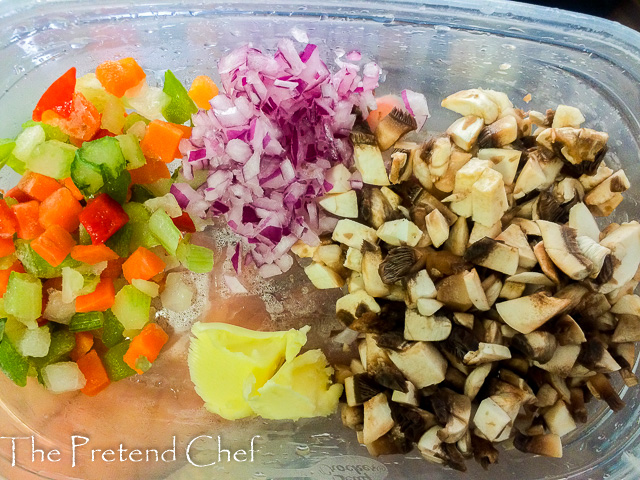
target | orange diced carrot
x=147, y=343
x=202, y=90
x=150, y=172
x=84, y=342
x=94, y=372
x=161, y=141
x=99, y=300
x=93, y=254
x=120, y=75
x=8, y=221
x=7, y=247
x=143, y=264
x=82, y=124
x=60, y=208
x=53, y=245
x=186, y=131
x=37, y=186
x=28, y=223
x=4, y=275
x=77, y=194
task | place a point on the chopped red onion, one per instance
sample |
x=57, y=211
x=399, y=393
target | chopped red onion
x=279, y=123
x=234, y=284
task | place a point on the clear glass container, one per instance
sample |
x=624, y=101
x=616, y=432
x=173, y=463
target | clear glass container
x=435, y=47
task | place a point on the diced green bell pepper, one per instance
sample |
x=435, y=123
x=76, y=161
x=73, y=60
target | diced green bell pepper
x=118, y=189
x=86, y=176
x=14, y=365
x=86, y=321
x=111, y=330
x=181, y=107
x=114, y=363
x=120, y=242
x=140, y=194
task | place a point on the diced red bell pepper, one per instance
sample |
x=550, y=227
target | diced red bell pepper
x=184, y=223
x=102, y=218
x=58, y=97
x=8, y=220
x=28, y=222
x=18, y=195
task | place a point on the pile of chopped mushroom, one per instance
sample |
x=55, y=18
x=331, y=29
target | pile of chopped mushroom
x=486, y=304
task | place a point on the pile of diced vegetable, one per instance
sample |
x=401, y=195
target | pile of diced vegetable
x=89, y=234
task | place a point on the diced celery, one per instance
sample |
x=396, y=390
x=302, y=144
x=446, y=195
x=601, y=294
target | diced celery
x=83, y=236
x=104, y=153
x=27, y=141
x=199, y=177
x=137, y=212
x=181, y=106
x=132, y=307
x=3, y=322
x=35, y=342
x=140, y=194
x=160, y=187
x=62, y=343
x=14, y=365
x=86, y=270
x=17, y=165
x=120, y=241
x=145, y=286
x=133, y=118
x=150, y=101
x=13, y=328
x=86, y=176
x=51, y=132
x=6, y=147
x=114, y=363
x=161, y=225
x=111, y=330
x=86, y=321
x=143, y=363
x=23, y=298
x=92, y=89
x=63, y=377
x=57, y=310
x=195, y=258
x=140, y=232
x=52, y=158
x=118, y=189
x=113, y=115
x=138, y=130
x=131, y=150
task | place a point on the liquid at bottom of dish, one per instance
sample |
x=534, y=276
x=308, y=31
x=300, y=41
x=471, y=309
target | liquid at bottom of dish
x=147, y=412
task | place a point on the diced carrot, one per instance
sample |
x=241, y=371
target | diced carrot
x=147, y=343
x=7, y=247
x=37, y=186
x=120, y=75
x=202, y=90
x=28, y=223
x=60, y=208
x=4, y=275
x=53, y=245
x=184, y=223
x=94, y=372
x=82, y=124
x=150, y=172
x=77, y=194
x=186, y=130
x=143, y=264
x=161, y=141
x=84, y=342
x=18, y=195
x=8, y=221
x=93, y=254
x=99, y=300
x=114, y=268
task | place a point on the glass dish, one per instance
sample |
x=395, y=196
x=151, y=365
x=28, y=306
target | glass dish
x=437, y=47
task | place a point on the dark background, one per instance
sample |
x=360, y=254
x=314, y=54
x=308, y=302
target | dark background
x=626, y=12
